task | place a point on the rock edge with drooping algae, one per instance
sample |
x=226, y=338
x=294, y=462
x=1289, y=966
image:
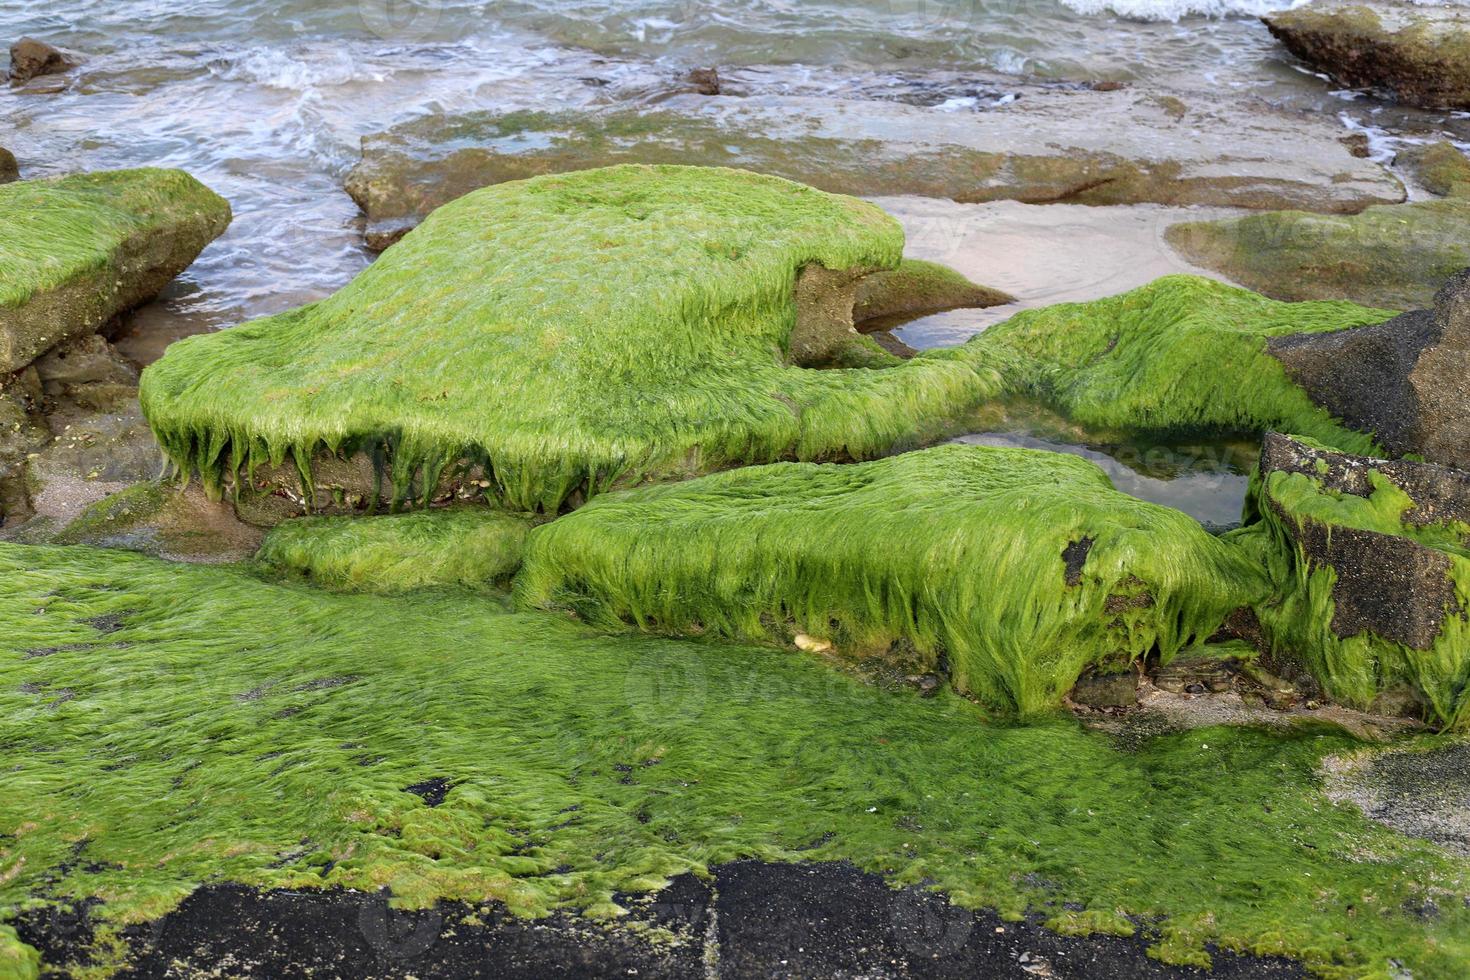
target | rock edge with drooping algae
x=77, y=251
x=1017, y=568
x=545, y=340
x=1371, y=564
x=1182, y=356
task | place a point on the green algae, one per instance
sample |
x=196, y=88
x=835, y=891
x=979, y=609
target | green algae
x=163, y=726
x=1017, y=568
x=1181, y=356
x=475, y=547
x=917, y=288
x=538, y=342
x=559, y=336
x=1300, y=619
x=1394, y=256
x=76, y=251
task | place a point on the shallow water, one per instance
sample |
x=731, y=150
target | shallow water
x=1040, y=253
x=1206, y=482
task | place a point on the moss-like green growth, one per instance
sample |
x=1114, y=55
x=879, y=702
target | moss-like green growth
x=77, y=251
x=550, y=339
x=1365, y=613
x=1394, y=256
x=476, y=547
x=1442, y=168
x=1019, y=568
x=163, y=726
x=1181, y=356
x=917, y=288
x=562, y=335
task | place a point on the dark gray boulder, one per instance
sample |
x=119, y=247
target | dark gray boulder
x=1407, y=380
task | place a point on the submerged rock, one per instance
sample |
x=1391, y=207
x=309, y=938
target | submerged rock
x=1136, y=148
x=1406, y=380
x=1393, y=256
x=1013, y=568
x=539, y=342
x=1417, y=52
x=1371, y=559
x=80, y=250
x=30, y=58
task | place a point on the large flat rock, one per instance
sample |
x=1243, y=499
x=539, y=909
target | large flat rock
x=1049, y=145
x=1417, y=52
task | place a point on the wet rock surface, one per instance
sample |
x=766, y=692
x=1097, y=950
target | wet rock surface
x=1138, y=147
x=750, y=920
x=30, y=57
x=1395, y=256
x=9, y=169
x=1407, y=380
x=1418, y=53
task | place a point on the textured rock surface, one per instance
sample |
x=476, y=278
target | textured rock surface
x=1419, y=53
x=77, y=251
x=1407, y=380
x=1372, y=563
x=30, y=57
x=1136, y=148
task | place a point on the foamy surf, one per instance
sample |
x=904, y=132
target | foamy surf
x=1175, y=10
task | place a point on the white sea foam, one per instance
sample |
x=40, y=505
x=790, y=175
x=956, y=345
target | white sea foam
x=1173, y=10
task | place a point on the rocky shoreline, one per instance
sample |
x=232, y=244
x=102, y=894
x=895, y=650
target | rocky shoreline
x=621, y=462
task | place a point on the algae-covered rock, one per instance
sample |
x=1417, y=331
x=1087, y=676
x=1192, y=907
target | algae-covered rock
x=1417, y=52
x=1183, y=356
x=1406, y=380
x=1135, y=148
x=542, y=341
x=1441, y=167
x=1395, y=256
x=917, y=288
x=77, y=251
x=1371, y=560
x=1013, y=568
x=476, y=547
x=9, y=169
x=156, y=518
